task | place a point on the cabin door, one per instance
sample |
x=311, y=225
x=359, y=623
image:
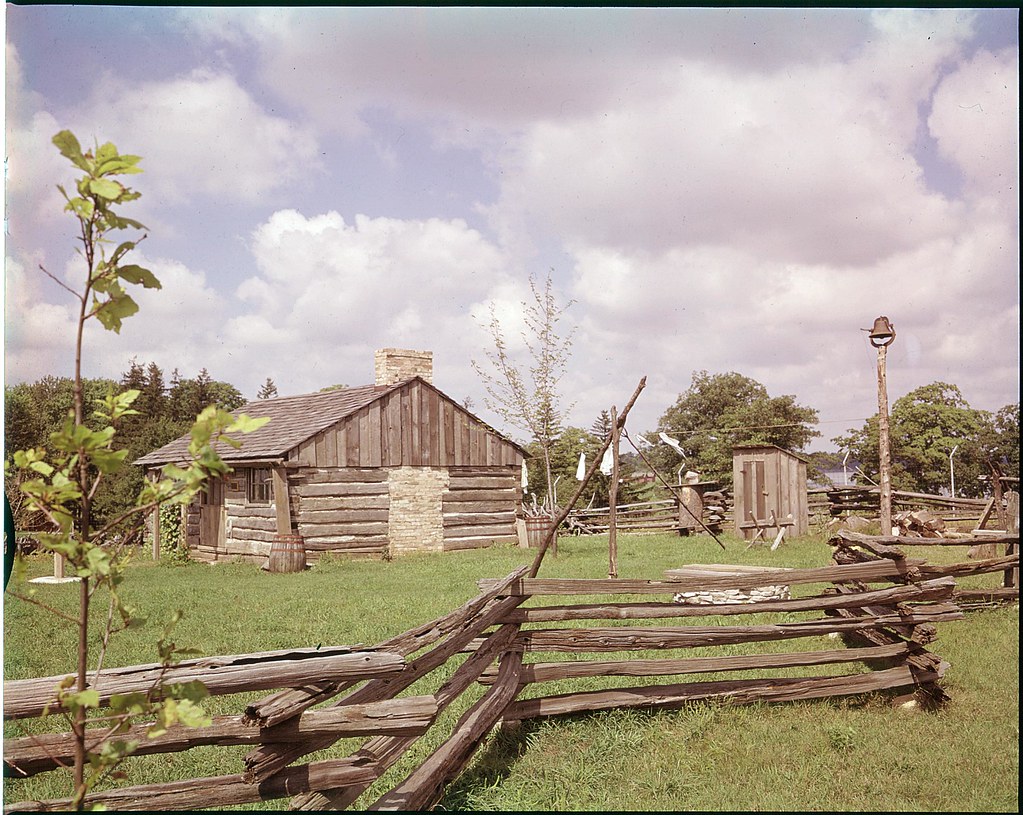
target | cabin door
x=212, y=526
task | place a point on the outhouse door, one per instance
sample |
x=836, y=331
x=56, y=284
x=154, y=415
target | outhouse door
x=212, y=523
x=755, y=493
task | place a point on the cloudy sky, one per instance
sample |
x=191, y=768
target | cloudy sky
x=722, y=190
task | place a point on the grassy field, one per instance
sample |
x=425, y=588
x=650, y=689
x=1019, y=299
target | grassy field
x=837, y=755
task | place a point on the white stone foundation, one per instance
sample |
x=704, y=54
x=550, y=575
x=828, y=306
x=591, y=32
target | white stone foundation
x=722, y=596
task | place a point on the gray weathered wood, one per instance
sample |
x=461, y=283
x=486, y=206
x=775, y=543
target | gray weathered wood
x=406, y=716
x=227, y=674
x=215, y=791
x=735, y=691
x=938, y=589
x=575, y=640
x=425, y=785
x=825, y=574
x=580, y=669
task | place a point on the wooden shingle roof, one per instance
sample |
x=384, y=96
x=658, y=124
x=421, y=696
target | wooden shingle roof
x=293, y=419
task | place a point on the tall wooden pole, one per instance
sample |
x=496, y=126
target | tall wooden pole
x=612, y=498
x=884, y=449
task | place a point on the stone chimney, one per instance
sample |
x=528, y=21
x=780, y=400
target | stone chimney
x=398, y=364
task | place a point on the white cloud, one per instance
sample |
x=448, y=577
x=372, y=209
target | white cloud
x=975, y=120
x=203, y=133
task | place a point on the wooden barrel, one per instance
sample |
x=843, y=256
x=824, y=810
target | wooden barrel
x=537, y=527
x=287, y=554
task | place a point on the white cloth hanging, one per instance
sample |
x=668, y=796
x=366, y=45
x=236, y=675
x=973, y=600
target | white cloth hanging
x=608, y=461
x=525, y=476
x=672, y=443
x=580, y=471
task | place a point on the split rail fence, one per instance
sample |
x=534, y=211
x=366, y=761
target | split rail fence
x=504, y=645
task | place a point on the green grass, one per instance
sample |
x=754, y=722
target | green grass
x=853, y=754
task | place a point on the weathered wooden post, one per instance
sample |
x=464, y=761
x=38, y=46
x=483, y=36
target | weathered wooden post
x=612, y=499
x=881, y=336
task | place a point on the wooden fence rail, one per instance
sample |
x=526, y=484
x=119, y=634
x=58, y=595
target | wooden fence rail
x=503, y=645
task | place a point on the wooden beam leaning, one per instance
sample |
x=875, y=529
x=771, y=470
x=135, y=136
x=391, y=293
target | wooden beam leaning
x=409, y=716
x=386, y=751
x=220, y=675
x=281, y=706
x=268, y=759
x=560, y=517
x=425, y=786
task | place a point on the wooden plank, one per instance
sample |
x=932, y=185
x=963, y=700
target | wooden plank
x=392, y=455
x=415, y=424
x=508, y=494
x=342, y=446
x=583, y=669
x=375, y=441
x=874, y=570
x=265, y=761
x=929, y=591
x=384, y=752
x=335, y=516
x=463, y=544
x=217, y=791
x=449, y=433
x=406, y=427
x=736, y=691
x=432, y=421
x=220, y=675
x=347, y=475
x=379, y=500
x=353, y=443
x=423, y=788
x=339, y=490
x=580, y=640
x=407, y=716
x=330, y=448
x=282, y=503
x=282, y=706
x=505, y=529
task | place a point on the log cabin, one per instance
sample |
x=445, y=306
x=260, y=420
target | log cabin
x=381, y=469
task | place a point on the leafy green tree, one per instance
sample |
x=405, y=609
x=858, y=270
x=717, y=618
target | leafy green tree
x=925, y=427
x=61, y=480
x=719, y=411
x=565, y=453
x=531, y=400
x=188, y=397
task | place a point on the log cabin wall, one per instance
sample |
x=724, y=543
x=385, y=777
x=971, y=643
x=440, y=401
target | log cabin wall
x=341, y=510
x=411, y=471
x=480, y=506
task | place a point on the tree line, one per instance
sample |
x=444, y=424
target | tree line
x=716, y=413
x=164, y=411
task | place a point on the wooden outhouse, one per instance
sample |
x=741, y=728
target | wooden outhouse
x=769, y=491
x=381, y=469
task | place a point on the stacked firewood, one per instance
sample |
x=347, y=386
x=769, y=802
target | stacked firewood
x=716, y=506
x=919, y=524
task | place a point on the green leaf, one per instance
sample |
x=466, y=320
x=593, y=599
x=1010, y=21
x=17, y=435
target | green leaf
x=105, y=188
x=137, y=274
x=69, y=147
x=112, y=312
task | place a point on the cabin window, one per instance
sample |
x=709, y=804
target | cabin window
x=260, y=486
